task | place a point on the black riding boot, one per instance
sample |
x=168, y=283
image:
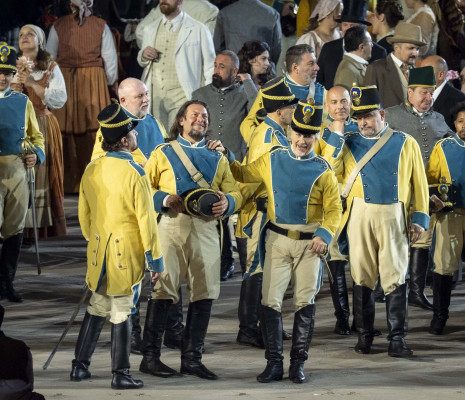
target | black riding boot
x=364, y=314
x=174, y=329
x=340, y=297
x=379, y=293
x=242, y=250
x=272, y=327
x=120, y=350
x=249, y=305
x=198, y=317
x=418, y=265
x=154, y=327
x=442, y=288
x=227, y=260
x=396, y=313
x=85, y=346
x=304, y=321
x=8, y=264
x=136, y=340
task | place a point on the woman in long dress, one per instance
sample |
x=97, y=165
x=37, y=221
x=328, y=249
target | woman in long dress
x=83, y=46
x=45, y=87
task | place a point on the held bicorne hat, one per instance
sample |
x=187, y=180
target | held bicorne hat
x=422, y=76
x=276, y=94
x=199, y=202
x=7, y=58
x=114, y=123
x=354, y=11
x=307, y=118
x=407, y=33
x=365, y=99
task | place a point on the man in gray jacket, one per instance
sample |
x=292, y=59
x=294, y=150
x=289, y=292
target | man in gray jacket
x=417, y=118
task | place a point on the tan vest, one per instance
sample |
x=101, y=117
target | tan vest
x=79, y=46
x=164, y=74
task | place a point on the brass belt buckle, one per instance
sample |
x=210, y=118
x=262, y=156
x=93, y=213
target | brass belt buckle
x=295, y=235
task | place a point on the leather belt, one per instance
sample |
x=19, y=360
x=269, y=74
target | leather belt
x=296, y=235
x=262, y=204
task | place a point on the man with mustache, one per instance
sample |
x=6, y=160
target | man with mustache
x=383, y=196
x=177, y=55
x=417, y=118
x=228, y=101
x=190, y=244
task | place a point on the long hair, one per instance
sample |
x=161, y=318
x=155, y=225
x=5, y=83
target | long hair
x=392, y=10
x=248, y=52
x=176, y=128
x=43, y=60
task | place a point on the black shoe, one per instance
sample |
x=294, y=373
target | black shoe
x=227, y=272
x=398, y=348
x=79, y=371
x=253, y=339
x=12, y=295
x=196, y=368
x=418, y=266
x=153, y=366
x=364, y=343
x=123, y=380
x=274, y=371
x=296, y=372
x=342, y=328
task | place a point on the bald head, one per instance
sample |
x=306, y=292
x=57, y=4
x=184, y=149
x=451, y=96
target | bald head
x=440, y=68
x=338, y=103
x=134, y=97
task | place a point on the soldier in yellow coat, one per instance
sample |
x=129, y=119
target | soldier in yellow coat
x=304, y=211
x=374, y=224
x=279, y=105
x=119, y=223
x=446, y=166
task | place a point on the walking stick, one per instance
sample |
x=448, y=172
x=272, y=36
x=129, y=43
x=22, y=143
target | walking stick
x=73, y=317
x=29, y=148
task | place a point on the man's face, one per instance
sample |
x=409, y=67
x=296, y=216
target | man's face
x=136, y=100
x=370, y=124
x=168, y=7
x=406, y=52
x=347, y=25
x=304, y=73
x=421, y=98
x=338, y=103
x=286, y=114
x=301, y=144
x=5, y=79
x=131, y=141
x=367, y=47
x=460, y=125
x=195, y=123
x=224, y=72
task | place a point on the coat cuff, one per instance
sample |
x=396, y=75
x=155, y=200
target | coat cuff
x=40, y=155
x=326, y=235
x=158, y=198
x=421, y=219
x=231, y=206
x=154, y=265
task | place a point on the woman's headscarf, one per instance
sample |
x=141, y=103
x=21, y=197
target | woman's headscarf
x=85, y=8
x=324, y=8
x=39, y=33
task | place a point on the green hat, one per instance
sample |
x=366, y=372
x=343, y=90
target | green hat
x=365, y=99
x=199, y=202
x=276, y=94
x=7, y=57
x=423, y=76
x=307, y=118
x=114, y=123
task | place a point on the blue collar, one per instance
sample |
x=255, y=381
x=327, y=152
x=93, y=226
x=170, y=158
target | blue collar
x=288, y=80
x=271, y=122
x=129, y=114
x=185, y=142
x=122, y=155
x=307, y=157
x=459, y=141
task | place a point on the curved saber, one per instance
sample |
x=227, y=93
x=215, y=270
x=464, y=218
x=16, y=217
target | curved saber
x=34, y=216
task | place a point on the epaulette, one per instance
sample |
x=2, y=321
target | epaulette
x=277, y=147
x=15, y=93
x=323, y=161
x=137, y=167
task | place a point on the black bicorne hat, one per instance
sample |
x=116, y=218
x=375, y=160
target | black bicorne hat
x=307, y=118
x=365, y=99
x=276, y=94
x=114, y=123
x=7, y=58
x=199, y=202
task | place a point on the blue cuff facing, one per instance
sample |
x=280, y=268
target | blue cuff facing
x=158, y=198
x=231, y=206
x=421, y=219
x=154, y=265
x=324, y=234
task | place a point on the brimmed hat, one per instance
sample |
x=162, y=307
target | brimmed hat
x=422, y=76
x=7, y=57
x=114, y=123
x=307, y=118
x=199, y=202
x=354, y=11
x=407, y=33
x=365, y=99
x=276, y=94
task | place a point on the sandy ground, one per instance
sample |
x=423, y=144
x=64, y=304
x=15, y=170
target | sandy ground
x=437, y=369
